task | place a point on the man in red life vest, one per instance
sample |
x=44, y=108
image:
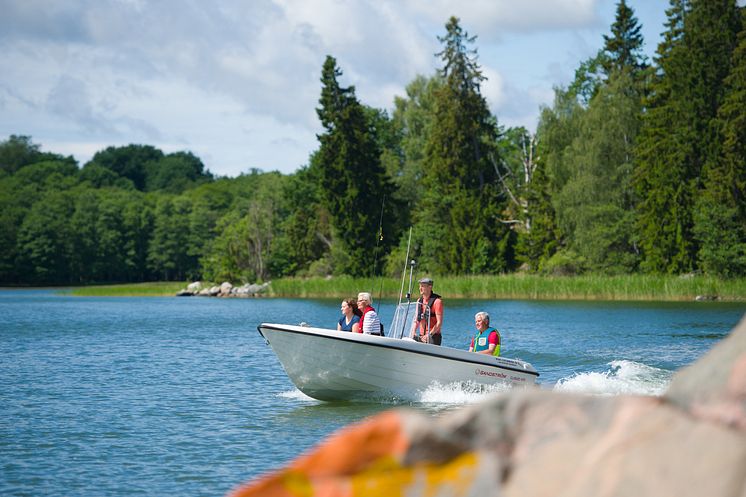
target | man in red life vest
x=429, y=319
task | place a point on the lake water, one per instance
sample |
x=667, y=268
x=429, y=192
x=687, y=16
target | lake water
x=181, y=396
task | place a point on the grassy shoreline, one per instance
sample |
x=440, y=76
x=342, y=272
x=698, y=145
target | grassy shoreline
x=150, y=289
x=514, y=286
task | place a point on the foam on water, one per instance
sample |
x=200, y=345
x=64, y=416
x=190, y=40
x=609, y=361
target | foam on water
x=458, y=393
x=450, y=394
x=622, y=377
x=296, y=394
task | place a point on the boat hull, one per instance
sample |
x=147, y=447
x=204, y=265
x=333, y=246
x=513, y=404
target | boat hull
x=335, y=365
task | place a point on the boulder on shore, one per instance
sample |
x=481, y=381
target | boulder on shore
x=689, y=442
x=226, y=289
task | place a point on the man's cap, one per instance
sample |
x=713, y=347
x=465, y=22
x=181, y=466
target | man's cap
x=426, y=281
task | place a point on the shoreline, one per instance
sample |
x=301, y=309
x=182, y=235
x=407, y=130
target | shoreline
x=627, y=288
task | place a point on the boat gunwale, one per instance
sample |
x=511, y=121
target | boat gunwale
x=391, y=345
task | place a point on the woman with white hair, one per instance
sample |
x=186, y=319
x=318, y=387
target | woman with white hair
x=487, y=339
x=369, y=323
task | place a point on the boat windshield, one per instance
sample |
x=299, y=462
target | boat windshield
x=402, y=321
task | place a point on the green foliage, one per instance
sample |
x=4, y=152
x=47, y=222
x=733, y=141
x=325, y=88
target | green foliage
x=677, y=136
x=19, y=151
x=624, y=47
x=516, y=149
x=175, y=173
x=45, y=240
x=304, y=232
x=720, y=218
x=150, y=289
x=98, y=176
x=523, y=286
x=357, y=192
x=632, y=169
x=588, y=78
x=146, y=168
x=542, y=238
x=564, y=263
x=168, y=251
x=457, y=227
x=593, y=204
x=558, y=128
x=412, y=118
x=244, y=246
x=129, y=162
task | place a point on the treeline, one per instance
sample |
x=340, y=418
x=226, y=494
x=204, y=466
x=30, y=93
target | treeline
x=638, y=166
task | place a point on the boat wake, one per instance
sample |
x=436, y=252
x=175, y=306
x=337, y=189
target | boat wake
x=459, y=393
x=622, y=377
x=436, y=394
x=296, y=395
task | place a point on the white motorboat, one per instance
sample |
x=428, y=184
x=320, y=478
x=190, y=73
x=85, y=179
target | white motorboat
x=338, y=365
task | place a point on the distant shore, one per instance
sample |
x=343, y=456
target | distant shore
x=514, y=286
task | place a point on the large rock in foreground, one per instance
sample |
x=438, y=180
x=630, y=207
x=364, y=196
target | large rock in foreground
x=689, y=442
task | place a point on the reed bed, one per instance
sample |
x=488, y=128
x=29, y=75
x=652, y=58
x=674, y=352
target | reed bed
x=513, y=286
x=532, y=287
x=151, y=289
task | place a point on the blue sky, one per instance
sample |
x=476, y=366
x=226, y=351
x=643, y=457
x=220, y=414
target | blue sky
x=237, y=82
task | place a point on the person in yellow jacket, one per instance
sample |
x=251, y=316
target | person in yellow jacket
x=487, y=339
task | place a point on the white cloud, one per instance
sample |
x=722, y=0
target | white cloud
x=493, y=88
x=486, y=17
x=237, y=82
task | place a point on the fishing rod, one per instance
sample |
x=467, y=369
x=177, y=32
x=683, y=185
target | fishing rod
x=379, y=237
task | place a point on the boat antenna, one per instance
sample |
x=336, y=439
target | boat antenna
x=404, y=271
x=412, y=264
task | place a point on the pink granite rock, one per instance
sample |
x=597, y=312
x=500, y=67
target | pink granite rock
x=689, y=442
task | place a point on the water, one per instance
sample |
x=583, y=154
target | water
x=166, y=396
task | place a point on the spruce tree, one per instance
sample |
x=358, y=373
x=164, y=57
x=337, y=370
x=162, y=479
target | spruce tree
x=458, y=225
x=623, y=48
x=721, y=207
x=353, y=181
x=676, y=138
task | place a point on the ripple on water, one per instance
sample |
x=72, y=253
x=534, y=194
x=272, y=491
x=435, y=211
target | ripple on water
x=151, y=396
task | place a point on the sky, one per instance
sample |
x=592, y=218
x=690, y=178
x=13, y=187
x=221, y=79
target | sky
x=237, y=82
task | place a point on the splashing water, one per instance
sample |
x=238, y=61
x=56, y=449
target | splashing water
x=622, y=377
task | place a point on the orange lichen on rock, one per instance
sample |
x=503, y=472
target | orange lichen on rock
x=376, y=444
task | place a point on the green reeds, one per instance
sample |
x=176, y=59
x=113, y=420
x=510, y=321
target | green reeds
x=512, y=286
x=534, y=287
x=154, y=289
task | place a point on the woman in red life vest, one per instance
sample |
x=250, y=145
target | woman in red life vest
x=369, y=322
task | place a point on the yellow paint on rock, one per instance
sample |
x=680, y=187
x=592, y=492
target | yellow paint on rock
x=457, y=475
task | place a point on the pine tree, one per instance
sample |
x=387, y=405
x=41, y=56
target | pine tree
x=457, y=223
x=354, y=183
